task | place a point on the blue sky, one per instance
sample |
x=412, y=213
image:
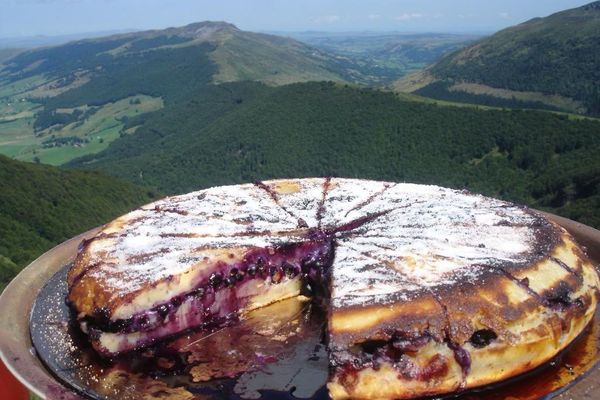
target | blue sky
x=59, y=17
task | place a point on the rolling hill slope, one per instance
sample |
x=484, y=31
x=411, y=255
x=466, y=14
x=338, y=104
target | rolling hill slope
x=41, y=206
x=157, y=68
x=551, y=62
x=238, y=55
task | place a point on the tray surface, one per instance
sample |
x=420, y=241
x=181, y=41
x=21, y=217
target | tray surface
x=272, y=357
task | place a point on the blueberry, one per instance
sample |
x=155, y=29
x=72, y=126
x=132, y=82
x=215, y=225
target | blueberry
x=199, y=292
x=306, y=266
x=482, y=338
x=163, y=310
x=260, y=264
x=176, y=301
x=252, y=269
x=289, y=269
x=215, y=279
x=143, y=321
x=236, y=275
x=228, y=282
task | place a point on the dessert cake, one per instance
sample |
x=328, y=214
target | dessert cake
x=428, y=290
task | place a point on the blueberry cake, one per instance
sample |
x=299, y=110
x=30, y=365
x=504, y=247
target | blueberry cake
x=428, y=290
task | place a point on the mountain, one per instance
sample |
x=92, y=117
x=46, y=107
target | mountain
x=551, y=62
x=41, y=206
x=243, y=131
x=237, y=54
x=155, y=108
x=28, y=42
x=101, y=83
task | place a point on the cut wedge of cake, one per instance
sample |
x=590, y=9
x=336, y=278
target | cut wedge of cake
x=429, y=290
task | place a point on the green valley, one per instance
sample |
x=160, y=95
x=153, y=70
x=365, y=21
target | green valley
x=382, y=58
x=56, y=137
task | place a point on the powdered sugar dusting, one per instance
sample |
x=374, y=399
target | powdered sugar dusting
x=359, y=279
x=164, y=238
x=433, y=237
x=420, y=238
x=301, y=198
x=348, y=195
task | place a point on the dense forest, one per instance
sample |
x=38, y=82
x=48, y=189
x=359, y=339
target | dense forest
x=41, y=206
x=245, y=131
x=172, y=73
x=559, y=54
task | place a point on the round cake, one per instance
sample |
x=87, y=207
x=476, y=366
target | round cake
x=428, y=290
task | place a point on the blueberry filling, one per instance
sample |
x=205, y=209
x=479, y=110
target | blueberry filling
x=273, y=265
x=462, y=357
x=396, y=352
x=559, y=297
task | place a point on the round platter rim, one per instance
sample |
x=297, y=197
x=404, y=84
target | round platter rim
x=17, y=299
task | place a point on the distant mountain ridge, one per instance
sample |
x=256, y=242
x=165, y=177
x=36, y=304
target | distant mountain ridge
x=28, y=42
x=48, y=95
x=552, y=61
x=386, y=56
x=237, y=54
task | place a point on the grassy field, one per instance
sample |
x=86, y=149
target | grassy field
x=10, y=90
x=557, y=101
x=446, y=103
x=18, y=139
x=273, y=60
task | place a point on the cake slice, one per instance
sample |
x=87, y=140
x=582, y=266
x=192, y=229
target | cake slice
x=196, y=260
x=449, y=291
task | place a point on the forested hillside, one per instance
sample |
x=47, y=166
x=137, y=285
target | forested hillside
x=245, y=131
x=41, y=206
x=553, y=61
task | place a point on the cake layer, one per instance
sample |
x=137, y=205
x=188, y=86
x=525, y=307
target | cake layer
x=209, y=311
x=240, y=281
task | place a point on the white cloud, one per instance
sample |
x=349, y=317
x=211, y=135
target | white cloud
x=409, y=16
x=326, y=19
x=503, y=14
x=374, y=16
